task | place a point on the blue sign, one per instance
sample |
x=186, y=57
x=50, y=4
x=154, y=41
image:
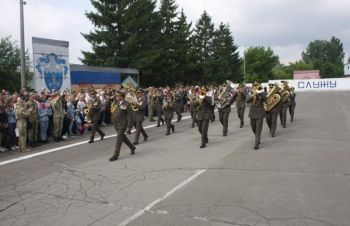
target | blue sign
x=53, y=68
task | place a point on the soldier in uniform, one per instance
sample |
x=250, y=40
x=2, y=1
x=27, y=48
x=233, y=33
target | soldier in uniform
x=257, y=111
x=119, y=110
x=21, y=116
x=33, y=120
x=225, y=110
x=203, y=115
x=131, y=93
x=284, y=104
x=272, y=115
x=152, y=109
x=58, y=114
x=158, y=104
x=179, y=95
x=168, y=109
x=139, y=115
x=241, y=103
x=292, y=104
x=193, y=106
x=94, y=108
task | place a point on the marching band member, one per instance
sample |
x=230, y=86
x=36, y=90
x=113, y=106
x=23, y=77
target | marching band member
x=119, y=110
x=94, y=113
x=193, y=105
x=257, y=111
x=168, y=109
x=272, y=108
x=241, y=97
x=223, y=101
x=139, y=108
x=284, y=103
x=292, y=104
x=203, y=115
x=158, y=103
x=179, y=95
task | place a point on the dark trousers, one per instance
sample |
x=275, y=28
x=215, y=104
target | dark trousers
x=223, y=117
x=168, y=124
x=257, y=125
x=11, y=135
x=160, y=118
x=240, y=113
x=95, y=127
x=178, y=110
x=121, y=137
x=283, y=116
x=193, y=116
x=203, y=126
x=291, y=112
x=139, y=129
x=271, y=120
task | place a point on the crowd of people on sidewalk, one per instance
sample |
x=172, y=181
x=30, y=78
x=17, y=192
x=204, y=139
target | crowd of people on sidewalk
x=29, y=119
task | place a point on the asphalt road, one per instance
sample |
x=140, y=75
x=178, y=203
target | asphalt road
x=300, y=177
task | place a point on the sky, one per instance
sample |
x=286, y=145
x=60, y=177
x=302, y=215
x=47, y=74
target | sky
x=286, y=26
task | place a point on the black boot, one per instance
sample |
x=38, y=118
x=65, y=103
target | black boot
x=172, y=128
x=113, y=158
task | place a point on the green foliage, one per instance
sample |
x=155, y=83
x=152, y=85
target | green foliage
x=10, y=62
x=259, y=64
x=131, y=33
x=225, y=58
x=326, y=56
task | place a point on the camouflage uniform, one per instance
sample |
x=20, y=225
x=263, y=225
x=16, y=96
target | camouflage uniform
x=58, y=114
x=21, y=125
x=33, y=116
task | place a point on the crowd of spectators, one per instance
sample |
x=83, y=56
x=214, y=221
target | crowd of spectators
x=38, y=115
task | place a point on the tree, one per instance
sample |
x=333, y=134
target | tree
x=142, y=46
x=181, y=51
x=10, y=62
x=108, y=36
x=167, y=62
x=202, y=47
x=260, y=63
x=326, y=56
x=225, y=59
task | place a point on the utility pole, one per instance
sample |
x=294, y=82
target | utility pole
x=23, y=63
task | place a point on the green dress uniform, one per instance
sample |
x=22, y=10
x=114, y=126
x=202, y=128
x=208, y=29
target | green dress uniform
x=241, y=105
x=119, y=112
x=94, y=106
x=169, y=108
x=257, y=114
x=139, y=117
x=179, y=105
x=203, y=115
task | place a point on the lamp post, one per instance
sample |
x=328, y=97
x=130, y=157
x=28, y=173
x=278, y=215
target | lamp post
x=23, y=63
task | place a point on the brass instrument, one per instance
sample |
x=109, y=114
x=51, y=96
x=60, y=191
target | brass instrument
x=257, y=89
x=273, y=98
x=225, y=95
x=135, y=106
x=167, y=103
x=132, y=99
x=114, y=107
x=285, y=91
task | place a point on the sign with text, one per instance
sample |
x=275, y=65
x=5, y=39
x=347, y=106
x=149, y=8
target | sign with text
x=331, y=84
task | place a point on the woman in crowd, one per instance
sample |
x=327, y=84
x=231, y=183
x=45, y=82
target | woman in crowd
x=70, y=114
x=43, y=120
x=11, y=118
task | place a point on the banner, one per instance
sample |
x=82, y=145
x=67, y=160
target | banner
x=331, y=84
x=51, y=65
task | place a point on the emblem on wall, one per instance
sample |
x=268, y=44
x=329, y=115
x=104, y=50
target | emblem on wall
x=53, y=69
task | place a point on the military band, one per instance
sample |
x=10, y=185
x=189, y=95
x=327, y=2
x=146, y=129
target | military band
x=168, y=109
x=94, y=113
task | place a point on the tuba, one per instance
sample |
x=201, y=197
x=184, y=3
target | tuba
x=225, y=95
x=132, y=99
x=273, y=98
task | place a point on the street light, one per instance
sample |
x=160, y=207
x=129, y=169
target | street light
x=23, y=63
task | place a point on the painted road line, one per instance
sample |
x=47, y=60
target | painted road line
x=155, y=202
